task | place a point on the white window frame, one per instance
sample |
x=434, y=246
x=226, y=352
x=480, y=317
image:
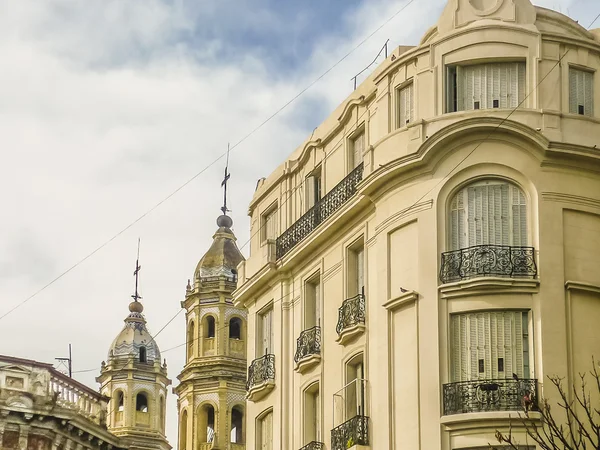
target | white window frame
x=314, y=187
x=264, y=336
x=581, y=91
x=356, y=152
x=269, y=224
x=469, y=222
x=405, y=101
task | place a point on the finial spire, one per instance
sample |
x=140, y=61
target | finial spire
x=224, y=183
x=136, y=272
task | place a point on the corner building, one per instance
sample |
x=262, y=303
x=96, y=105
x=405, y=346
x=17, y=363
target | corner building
x=429, y=257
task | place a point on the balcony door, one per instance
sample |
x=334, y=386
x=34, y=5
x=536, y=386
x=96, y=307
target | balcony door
x=266, y=333
x=488, y=213
x=356, y=270
x=312, y=303
x=314, y=185
x=490, y=345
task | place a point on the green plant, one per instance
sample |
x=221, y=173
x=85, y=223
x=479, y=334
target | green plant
x=350, y=442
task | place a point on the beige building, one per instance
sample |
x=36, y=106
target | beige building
x=212, y=388
x=421, y=264
x=43, y=409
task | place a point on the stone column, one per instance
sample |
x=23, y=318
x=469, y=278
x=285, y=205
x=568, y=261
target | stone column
x=23, y=436
x=57, y=441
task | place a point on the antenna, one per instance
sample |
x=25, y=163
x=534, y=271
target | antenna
x=66, y=363
x=136, y=272
x=224, y=183
x=385, y=47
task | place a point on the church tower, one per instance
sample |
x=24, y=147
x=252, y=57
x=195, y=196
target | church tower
x=136, y=382
x=211, y=393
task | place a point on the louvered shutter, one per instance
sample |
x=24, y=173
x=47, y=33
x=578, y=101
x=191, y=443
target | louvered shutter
x=317, y=416
x=588, y=86
x=460, y=89
x=573, y=94
x=360, y=270
x=310, y=192
x=471, y=217
x=271, y=225
x=317, y=303
x=581, y=92
x=358, y=147
x=267, y=332
x=519, y=217
x=522, y=82
x=267, y=432
x=406, y=102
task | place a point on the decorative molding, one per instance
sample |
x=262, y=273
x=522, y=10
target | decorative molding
x=403, y=299
x=423, y=206
x=573, y=199
x=470, y=421
x=234, y=398
x=580, y=286
x=349, y=106
x=489, y=286
x=235, y=311
x=332, y=271
x=212, y=310
x=201, y=398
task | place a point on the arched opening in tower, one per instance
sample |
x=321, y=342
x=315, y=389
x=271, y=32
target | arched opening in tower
x=235, y=328
x=237, y=426
x=206, y=424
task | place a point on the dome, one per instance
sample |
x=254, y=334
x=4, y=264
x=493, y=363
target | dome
x=134, y=336
x=223, y=256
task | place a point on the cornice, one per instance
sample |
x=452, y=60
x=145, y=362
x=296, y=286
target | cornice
x=489, y=286
x=581, y=286
x=572, y=199
x=406, y=298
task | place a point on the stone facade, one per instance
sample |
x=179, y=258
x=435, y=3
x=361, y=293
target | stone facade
x=424, y=261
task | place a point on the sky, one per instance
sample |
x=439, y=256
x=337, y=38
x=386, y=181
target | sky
x=109, y=106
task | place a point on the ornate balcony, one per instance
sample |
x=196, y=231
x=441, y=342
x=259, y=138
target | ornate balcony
x=488, y=260
x=308, y=348
x=316, y=215
x=352, y=432
x=490, y=395
x=351, y=318
x=261, y=377
x=314, y=445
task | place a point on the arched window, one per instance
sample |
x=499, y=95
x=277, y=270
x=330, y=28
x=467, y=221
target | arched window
x=143, y=356
x=141, y=402
x=489, y=212
x=120, y=401
x=206, y=424
x=191, y=340
x=237, y=425
x=235, y=328
x=210, y=326
x=183, y=431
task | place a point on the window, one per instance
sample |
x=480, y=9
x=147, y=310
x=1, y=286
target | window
x=120, y=400
x=312, y=303
x=265, y=432
x=312, y=414
x=356, y=269
x=191, y=338
x=209, y=324
x=237, y=423
x=581, y=92
x=206, y=424
x=143, y=356
x=485, y=86
x=183, y=431
x=235, y=328
x=355, y=388
x=265, y=333
x=405, y=99
x=357, y=148
x=490, y=345
x=141, y=403
x=313, y=188
x=488, y=213
x=268, y=226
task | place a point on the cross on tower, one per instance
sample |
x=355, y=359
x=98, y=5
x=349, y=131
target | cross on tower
x=224, y=183
x=136, y=272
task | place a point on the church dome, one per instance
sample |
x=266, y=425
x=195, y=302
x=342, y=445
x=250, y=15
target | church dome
x=133, y=337
x=223, y=256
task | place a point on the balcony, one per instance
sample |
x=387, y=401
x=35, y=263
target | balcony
x=351, y=319
x=352, y=433
x=314, y=445
x=329, y=204
x=490, y=395
x=261, y=377
x=208, y=346
x=237, y=347
x=308, y=349
x=488, y=260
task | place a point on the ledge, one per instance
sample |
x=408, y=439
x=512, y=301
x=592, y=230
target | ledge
x=489, y=285
x=260, y=391
x=401, y=300
x=350, y=334
x=466, y=421
x=571, y=285
x=307, y=362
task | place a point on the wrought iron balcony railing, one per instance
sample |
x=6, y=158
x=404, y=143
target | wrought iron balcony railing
x=262, y=369
x=486, y=260
x=352, y=312
x=490, y=395
x=309, y=343
x=352, y=432
x=322, y=210
x=314, y=445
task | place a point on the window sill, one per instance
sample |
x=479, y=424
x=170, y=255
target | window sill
x=260, y=391
x=467, y=421
x=489, y=285
x=350, y=334
x=307, y=362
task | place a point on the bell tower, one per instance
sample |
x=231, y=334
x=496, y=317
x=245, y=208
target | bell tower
x=136, y=382
x=211, y=393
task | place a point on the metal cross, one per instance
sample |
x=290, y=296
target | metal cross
x=136, y=272
x=224, y=183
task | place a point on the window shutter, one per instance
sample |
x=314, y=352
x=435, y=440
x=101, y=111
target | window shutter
x=588, y=97
x=518, y=342
x=358, y=147
x=478, y=77
x=360, y=269
x=471, y=217
x=460, y=89
x=469, y=89
x=522, y=83
x=504, y=193
x=573, y=98
x=310, y=192
x=317, y=303
x=267, y=333
x=504, y=88
x=519, y=213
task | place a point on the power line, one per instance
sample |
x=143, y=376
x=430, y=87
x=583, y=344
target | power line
x=168, y=197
